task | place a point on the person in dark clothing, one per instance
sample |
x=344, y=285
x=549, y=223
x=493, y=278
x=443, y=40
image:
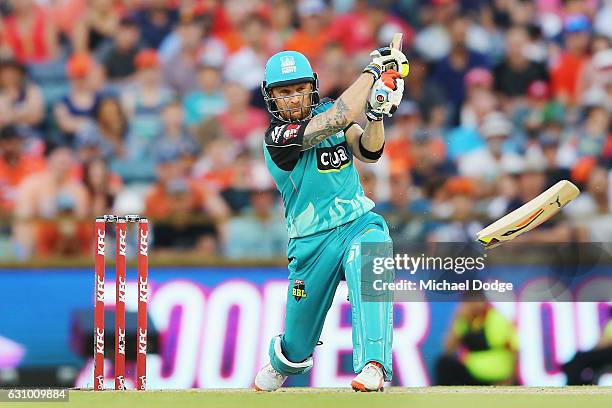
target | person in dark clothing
x=585, y=367
x=156, y=22
x=515, y=73
x=450, y=70
x=481, y=347
x=119, y=55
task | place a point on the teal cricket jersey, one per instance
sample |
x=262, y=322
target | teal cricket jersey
x=320, y=186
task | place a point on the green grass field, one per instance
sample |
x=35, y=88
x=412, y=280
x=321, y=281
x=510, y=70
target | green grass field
x=430, y=397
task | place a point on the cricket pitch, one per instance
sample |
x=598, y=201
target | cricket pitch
x=426, y=397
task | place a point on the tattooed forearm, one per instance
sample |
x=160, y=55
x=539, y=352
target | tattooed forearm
x=326, y=124
x=348, y=106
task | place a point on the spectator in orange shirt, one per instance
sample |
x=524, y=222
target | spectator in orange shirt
x=312, y=36
x=565, y=74
x=29, y=33
x=15, y=166
x=169, y=170
x=365, y=27
x=47, y=195
x=407, y=121
x=174, y=201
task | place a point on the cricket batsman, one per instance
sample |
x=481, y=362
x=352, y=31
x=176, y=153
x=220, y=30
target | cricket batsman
x=309, y=150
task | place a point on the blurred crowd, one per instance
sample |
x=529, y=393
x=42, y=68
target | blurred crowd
x=153, y=107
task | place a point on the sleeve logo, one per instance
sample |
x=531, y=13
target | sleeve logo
x=291, y=131
x=282, y=134
x=276, y=134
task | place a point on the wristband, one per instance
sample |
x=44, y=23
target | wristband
x=373, y=116
x=368, y=154
x=349, y=126
x=374, y=69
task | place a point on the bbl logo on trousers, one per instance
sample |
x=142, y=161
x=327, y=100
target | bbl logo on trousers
x=299, y=290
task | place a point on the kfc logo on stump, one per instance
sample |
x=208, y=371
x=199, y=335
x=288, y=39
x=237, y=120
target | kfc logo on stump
x=101, y=236
x=100, y=341
x=142, y=341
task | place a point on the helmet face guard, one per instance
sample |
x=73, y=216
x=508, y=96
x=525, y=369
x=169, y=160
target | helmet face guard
x=305, y=108
x=289, y=68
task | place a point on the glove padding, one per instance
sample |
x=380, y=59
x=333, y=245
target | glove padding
x=385, y=96
x=387, y=58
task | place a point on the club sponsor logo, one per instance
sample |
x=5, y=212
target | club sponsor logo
x=121, y=381
x=101, y=236
x=283, y=134
x=299, y=290
x=142, y=289
x=144, y=242
x=288, y=64
x=142, y=341
x=143, y=382
x=99, y=382
x=122, y=242
x=333, y=158
x=291, y=131
x=99, y=341
x=121, y=340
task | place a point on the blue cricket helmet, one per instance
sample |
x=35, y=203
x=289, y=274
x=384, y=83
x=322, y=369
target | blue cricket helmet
x=288, y=68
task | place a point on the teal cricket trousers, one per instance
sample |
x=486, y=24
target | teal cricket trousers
x=317, y=264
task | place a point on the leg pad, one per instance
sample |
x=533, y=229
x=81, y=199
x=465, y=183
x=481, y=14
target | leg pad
x=282, y=364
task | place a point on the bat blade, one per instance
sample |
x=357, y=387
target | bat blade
x=396, y=42
x=528, y=216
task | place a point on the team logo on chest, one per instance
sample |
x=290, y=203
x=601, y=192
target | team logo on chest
x=333, y=158
x=299, y=290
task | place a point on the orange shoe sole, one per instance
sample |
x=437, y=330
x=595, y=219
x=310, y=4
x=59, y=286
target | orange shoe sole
x=359, y=387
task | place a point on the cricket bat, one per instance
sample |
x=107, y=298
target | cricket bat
x=396, y=42
x=528, y=216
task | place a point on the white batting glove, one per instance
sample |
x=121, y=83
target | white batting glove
x=385, y=96
x=386, y=58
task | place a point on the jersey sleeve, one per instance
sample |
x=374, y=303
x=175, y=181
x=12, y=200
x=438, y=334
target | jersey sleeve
x=284, y=143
